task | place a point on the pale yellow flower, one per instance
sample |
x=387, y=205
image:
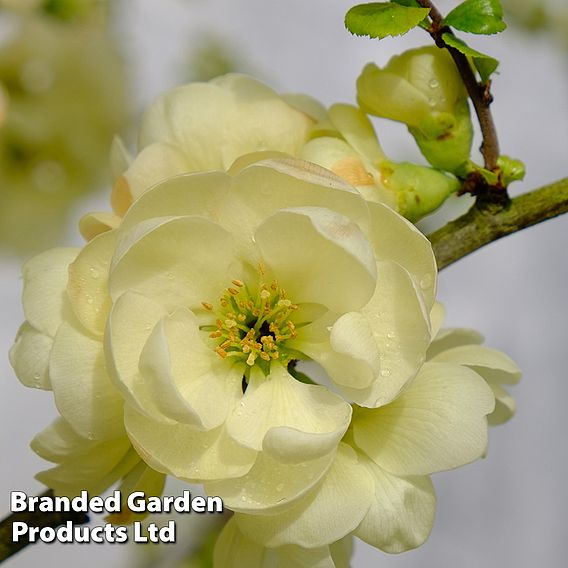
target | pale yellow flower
x=197, y=304
x=380, y=478
x=206, y=126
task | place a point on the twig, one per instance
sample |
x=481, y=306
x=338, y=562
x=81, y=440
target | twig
x=479, y=93
x=488, y=221
x=33, y=519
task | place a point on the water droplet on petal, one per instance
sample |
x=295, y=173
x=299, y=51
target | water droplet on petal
x=433, y=83
x=280, y=487
x=385, y=373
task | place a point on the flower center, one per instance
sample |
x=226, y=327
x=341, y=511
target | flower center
x=253, y=325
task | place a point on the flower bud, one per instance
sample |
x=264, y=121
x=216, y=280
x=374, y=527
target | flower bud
x=423, y=89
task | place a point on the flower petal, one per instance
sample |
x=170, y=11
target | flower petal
x=402, y=511
x=88, y=282
x=349, y=354
x=396, y=239
x=179, y=261
x=437, y=317
x=396, y=334
x=437, y=423
x=93, y=224
x=453, y=337
x=505, y=406
x=336, y=266
x=83, y=392
x=140, y=478
x=201, y=194
x=306, y=104
x=385, y=94
x=83, y=464
x=291, y=420
x=267, y=186
x=271, y=485
x=185, y=451
x=29, y=356
x=494, y=366
x=314, y=521
x=130, y=322
x=219, y=121
x=154, y=164
x=234, y=550
x=45, y=281
x=185, y=378
x=357, y=130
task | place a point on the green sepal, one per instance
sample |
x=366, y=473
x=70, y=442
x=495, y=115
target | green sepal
x=511, y=170
x=491, y=178
x=508, y=170
x=382, y=19
x=485, y=64
x=420, y=190
x=477, y=17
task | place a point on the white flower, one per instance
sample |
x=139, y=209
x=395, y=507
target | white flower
x=206, y=126
x=197, y=306
x=378, y=487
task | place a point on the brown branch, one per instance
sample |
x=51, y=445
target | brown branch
x=489, y=220
x=479, y=93
x=33, y=519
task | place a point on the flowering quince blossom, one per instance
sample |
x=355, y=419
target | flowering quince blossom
x=201, y=127
x=346, y=143
x=380, y=477
x=170, y=340
x=197, y=304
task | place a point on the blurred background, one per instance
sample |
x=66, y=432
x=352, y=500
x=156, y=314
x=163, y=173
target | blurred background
x=73, y=78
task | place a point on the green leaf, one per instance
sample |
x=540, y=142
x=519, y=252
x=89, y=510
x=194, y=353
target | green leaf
x=485, y=64
x=382, y=19
x=477, y=17
x=409, y=3
x=425, y=23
